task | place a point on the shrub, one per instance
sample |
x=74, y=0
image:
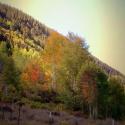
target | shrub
x=72, y=101
x=64, y=123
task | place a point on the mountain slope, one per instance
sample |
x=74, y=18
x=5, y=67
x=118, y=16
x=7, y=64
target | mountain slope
x=14, y=23
x=22, y=31
x=108, y=69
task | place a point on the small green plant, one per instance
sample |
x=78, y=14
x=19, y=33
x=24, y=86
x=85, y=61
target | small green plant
x=35, y=105
x=64, y=123
x=60, y=107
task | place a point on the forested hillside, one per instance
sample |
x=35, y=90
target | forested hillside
x=14, y=23
x=43, y=69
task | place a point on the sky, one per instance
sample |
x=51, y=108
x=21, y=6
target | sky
x=100, y=22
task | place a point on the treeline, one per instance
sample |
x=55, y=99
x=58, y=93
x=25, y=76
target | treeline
x=62, y=74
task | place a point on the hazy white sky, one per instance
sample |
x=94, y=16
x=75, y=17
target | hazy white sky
x=100, y=22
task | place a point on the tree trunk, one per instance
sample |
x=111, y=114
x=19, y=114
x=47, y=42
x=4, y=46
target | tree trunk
x=18, y=122
x=3, y=114
x=95, y=113
x=53, y=84
x=113, y=122
x=90, y=111
x=106, y=114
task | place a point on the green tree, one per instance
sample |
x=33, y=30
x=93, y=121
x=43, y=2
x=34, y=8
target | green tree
x=116, y=104
x=102, y=96
x=73, y=56
x=72, y=101
x=3, y=48
x=9, y=74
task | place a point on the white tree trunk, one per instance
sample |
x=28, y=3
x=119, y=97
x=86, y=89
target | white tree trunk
x=113, y=122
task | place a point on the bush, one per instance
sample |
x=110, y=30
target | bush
x=10, y=95
x=48, y=96
x=37, y=105
x=64, y=123
x=72, y=101
x=60, y=107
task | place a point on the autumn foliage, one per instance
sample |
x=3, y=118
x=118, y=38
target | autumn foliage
x=39, y=64
x=32, y=73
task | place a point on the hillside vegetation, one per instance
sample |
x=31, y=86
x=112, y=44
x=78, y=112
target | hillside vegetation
x=40, y=67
